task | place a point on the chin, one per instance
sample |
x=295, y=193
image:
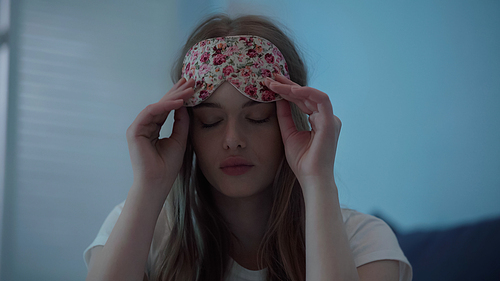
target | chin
x=239, y=193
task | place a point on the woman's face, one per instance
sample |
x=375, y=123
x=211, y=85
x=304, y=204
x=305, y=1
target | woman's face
x=237, y=142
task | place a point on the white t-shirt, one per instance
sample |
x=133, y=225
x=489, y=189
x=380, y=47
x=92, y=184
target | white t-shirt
x=370, y=239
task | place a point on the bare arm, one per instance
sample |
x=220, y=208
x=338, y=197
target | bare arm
x=95, y=252
x=125, y=254
x=383, y=270
x=156, y=163
x=327, y=247
x=328, y=253
x=311, y=156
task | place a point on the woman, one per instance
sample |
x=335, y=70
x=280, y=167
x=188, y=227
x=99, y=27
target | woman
x=251, y=191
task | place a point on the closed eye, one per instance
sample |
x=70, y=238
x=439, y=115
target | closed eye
x=204, y=125
x=254, y=121
x=258, y=121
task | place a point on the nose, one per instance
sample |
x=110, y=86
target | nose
x=233, y=136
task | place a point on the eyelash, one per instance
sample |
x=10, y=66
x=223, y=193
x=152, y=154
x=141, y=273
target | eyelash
x=260, y=121
x=205, y=126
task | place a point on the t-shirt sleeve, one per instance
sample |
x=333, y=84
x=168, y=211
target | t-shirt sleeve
x=371, y=239
x=104, y=232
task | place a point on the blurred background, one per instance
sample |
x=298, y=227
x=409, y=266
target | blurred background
x=415, y=83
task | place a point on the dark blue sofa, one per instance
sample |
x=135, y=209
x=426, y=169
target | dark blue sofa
x=466, y=252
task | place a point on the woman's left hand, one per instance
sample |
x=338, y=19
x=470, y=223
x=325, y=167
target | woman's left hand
x=310, y=154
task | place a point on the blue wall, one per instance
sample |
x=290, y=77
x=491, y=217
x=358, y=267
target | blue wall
x=417, y=87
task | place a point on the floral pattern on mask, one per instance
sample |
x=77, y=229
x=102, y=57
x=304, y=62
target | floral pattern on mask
x=244, y=61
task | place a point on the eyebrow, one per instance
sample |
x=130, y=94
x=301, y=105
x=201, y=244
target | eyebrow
x=218, y=105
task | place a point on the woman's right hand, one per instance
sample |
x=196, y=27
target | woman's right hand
x=156, y=162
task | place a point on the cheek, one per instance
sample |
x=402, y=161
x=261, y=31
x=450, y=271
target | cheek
x=270, y=145
x=205, y=148
x=201, y=140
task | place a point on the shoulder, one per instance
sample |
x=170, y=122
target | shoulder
x=371, y=239
x=162, y=230
x=103, y=234
x=357, y=223
x=368, y=234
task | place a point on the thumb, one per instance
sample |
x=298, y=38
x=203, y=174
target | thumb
x=181, y=126
x=285, y=119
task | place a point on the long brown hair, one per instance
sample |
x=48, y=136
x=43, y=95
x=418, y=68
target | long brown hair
x=197, y=247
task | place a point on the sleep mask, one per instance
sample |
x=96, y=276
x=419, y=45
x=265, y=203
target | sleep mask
x=244, y=61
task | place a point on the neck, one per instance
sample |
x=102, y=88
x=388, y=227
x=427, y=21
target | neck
x=247, y=219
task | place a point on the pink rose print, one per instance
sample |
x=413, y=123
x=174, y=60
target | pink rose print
x=258, y=63
x=277, y=53
x=228, y=70
x=216, y=50
x=266, y=73
x=251, y=53
x=235, y=82
x=231, y=50
x=219, y=59
x=246, y=72
x=194, y=55
x=205, y=57
x=251, y=90
x=221, y=46
x=248, y=41
x=276, y=69
x=267, y=95
x=204, y=68
x=269, y=58
x=204, y=94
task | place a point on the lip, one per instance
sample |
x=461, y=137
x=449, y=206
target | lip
x=235, y=166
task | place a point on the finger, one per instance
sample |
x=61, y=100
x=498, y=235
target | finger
x=282, y=79
x=182, y=83
x=184, y=94
x=312, y=106
x=157, y=112
x=321, y=99
x=151, y=118
x=189, y=84
x=304, y=94
x=300, y=103
x=181, y=126
x=181, y=93
x=178, y=89
x=285, y=120
x=179, y=83
x=280, y=88
x=306, y=98
x=293, y=91
x=313, y=99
